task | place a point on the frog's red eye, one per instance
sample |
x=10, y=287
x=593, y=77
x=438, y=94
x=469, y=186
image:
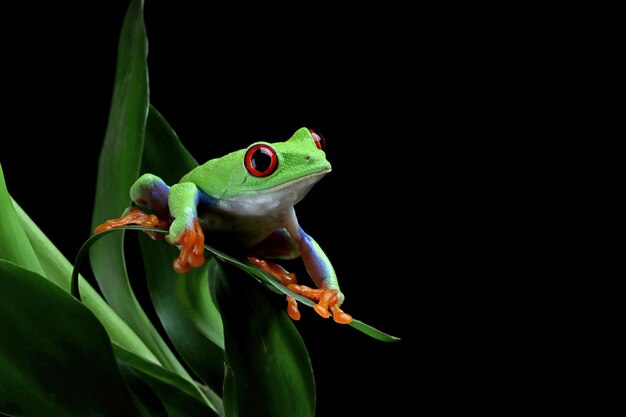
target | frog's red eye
x=320, y=142
x=260, y=160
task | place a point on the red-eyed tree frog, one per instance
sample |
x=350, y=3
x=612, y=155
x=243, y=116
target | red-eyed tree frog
x=243, y=203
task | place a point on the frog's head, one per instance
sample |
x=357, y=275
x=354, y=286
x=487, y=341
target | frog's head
x=283, y=170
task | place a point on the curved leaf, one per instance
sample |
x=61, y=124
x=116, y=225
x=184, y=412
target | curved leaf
x=269, y=370
x=256, y=273
x=56, y=357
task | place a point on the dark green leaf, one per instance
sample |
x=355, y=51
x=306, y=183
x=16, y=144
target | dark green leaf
x=179, y=396
x=269, y=371
x=56, y=357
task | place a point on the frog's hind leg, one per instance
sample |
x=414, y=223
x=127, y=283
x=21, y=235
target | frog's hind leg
x=150, y=193
x=280, y=245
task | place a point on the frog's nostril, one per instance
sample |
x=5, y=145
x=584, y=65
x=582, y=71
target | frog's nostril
x=307, y=157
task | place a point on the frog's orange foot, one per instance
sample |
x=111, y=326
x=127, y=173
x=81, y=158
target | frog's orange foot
x=134, y=216
x=191, y=243
x=326, y=299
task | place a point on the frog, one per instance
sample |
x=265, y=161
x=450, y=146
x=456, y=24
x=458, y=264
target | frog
x=243, y=203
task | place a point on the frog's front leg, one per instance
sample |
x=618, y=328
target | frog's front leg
x=185, y=230
x=148, y=192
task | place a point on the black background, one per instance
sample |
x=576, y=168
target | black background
x=376, y=92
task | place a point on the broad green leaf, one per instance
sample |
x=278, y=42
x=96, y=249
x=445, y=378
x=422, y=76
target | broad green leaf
x=269, y=370
x=59, y=271
x=14, y=244
x=118, y=168
x=56, y=359
x=205, y=356
x=179, y=397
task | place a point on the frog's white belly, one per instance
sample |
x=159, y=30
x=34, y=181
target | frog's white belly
x=248, y=219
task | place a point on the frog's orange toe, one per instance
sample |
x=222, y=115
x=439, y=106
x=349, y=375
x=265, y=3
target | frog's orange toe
x=321, y=310
x=339, y=316
x=292, y=308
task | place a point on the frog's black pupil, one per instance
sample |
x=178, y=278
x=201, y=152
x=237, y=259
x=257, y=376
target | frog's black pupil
x=261, y=159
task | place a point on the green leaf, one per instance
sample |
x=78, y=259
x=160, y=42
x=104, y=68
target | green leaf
x=14, y=244
x=269, y=371
x=56, y=357
x=118, y=168
x=179, y=397
x=204, y=355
